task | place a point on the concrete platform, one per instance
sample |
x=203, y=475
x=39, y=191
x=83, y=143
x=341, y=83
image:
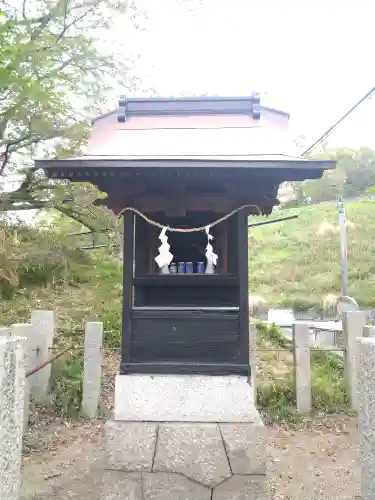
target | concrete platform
x=184, y=398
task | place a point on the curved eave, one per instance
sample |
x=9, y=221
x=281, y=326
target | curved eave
x=242, y=162
x=84, y=169
x=113, y=174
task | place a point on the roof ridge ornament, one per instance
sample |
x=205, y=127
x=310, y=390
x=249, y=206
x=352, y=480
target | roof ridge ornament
x=123, y=108
x=255, y=105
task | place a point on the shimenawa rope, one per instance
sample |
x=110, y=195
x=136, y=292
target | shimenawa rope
x=190, y=229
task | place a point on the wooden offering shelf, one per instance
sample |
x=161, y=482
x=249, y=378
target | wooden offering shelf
x=189, y=280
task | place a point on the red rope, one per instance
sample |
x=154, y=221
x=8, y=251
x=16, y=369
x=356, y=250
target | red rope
x=43, y=365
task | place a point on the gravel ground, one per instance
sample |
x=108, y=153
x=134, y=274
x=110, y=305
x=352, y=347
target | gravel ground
x=316, y=461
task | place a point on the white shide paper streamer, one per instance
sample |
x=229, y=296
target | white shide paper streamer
x=165, y=257
x=211, y=256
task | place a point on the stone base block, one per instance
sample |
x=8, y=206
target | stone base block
x=184, y=460
x=218, y=456
x=184, y=398
x=118, y=485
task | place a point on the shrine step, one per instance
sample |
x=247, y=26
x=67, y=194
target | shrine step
x=184, y=460
x=176, y=457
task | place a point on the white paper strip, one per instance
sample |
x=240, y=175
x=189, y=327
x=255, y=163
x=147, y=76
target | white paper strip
x=211, y=256
x=165, y=257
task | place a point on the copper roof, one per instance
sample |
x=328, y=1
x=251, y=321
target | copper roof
x=195, y=142
x=187, y=132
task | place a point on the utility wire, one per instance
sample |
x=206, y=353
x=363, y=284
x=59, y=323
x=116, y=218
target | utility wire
x=323, y=136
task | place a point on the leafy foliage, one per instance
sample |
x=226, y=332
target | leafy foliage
x=271, y=333
x=353, y=177
x=30, y=257
x=54, y=79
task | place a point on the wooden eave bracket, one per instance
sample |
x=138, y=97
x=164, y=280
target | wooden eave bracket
x=255, y=105
x=123, y=108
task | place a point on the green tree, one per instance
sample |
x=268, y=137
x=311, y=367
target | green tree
x=54, y=77
x=353, y=176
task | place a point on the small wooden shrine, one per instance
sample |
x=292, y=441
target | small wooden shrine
x=185, y=163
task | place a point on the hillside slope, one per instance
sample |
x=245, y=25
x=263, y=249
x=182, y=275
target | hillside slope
x=97, y=297
x=297, y=263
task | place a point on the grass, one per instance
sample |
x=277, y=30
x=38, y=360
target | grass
x=296, y=263
x=66, y=385
x=97, y=298
x=41, y=271
x=328, y=382
x=275, y=378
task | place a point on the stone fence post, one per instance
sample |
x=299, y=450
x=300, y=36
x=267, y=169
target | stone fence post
x=92, y=371
x=40, y=340
x=369, y=331
x=302, y=367
x=12, y=386
x=366, y=416
x=25, y=330
x=352, y=328
x=4, y=332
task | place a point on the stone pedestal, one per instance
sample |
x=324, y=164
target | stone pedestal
x=184, y=438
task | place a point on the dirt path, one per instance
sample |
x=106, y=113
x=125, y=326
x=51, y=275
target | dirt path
x=72, y=470
x=317, y=462
x=313, y=463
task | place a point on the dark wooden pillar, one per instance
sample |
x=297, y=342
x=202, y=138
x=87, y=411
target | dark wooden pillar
x=128, y=266
x=243, y=274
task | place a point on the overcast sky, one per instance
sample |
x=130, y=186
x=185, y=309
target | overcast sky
x=313, y=58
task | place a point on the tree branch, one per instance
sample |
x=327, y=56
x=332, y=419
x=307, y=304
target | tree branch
x=27, y=140
x=71, y=24
x=5, y=159
x=26, y=183
x=46, y=19
x=24, y=9
x=73, y=215
x=60, y=68
x=26, y=22
x=36, y=205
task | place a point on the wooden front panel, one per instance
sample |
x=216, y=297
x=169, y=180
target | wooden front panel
x=187, y=296
x=196, y=336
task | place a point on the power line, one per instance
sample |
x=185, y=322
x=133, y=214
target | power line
x=327, y=132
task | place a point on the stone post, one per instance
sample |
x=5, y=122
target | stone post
x=326, y=338
x=92, y=369
x=12, y=384
x=366, y=416
x=40, y=341
x=352, y=328
x=302, y=367
x=25, y=330
x=4, y=332
x=369, y=331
